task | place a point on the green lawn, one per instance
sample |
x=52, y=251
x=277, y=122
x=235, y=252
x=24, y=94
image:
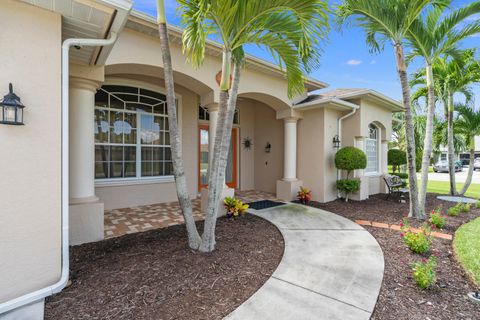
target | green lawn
x=444, y=188
x=467, y=248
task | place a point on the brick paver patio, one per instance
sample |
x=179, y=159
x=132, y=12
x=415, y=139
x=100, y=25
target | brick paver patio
x=119, y=222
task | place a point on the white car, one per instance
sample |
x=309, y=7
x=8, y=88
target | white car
x=476, y=164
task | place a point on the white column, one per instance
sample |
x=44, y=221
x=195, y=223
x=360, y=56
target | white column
x=82, y=144
x=290, y=149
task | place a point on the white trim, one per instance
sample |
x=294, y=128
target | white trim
x=133, y=181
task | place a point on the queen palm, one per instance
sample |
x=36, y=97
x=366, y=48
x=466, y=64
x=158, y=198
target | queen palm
x=468, y=125
x=391, y=20
x=291, y=30
x=435, y=34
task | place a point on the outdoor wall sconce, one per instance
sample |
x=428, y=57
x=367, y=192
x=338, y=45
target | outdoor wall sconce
x=336, y=142
x=268, y=147
x=247, y=143
x=11, y=109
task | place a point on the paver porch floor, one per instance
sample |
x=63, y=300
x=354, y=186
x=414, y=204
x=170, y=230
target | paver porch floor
x=118, y=222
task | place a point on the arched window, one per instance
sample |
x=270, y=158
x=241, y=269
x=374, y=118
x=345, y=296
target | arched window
x=371, y=149
x=132, y=138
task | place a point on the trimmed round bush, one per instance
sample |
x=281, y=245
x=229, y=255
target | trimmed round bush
x=396, y=158
x=350, y=158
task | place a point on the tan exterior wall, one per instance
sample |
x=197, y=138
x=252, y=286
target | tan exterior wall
x=316, y=168
x=268, y=166
x=247, y=157
x=30, y=219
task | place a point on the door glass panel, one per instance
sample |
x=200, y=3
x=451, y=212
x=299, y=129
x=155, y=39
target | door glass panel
x=203, y=159
x=203, y=156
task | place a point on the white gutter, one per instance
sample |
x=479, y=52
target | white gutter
x=339, y=132
x=59, y=285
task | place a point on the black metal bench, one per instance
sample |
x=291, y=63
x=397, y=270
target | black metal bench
x=395, y=185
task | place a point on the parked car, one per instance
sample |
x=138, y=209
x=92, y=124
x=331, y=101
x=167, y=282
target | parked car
x=442, y=166
x=476, y=164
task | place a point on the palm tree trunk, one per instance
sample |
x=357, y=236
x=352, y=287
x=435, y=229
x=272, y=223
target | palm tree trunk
x=471, y=167
x=194, y=239
x=223, y=134
x=427, y=144
x=450, y=147
x=409, y=132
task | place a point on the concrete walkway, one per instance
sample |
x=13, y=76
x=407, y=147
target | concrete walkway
x=332, y=268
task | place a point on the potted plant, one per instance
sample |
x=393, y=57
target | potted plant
x=304, y=195
x=235, y=207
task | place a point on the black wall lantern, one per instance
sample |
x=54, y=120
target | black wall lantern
x=268, y=147
x=336, y=141
x=11, y=108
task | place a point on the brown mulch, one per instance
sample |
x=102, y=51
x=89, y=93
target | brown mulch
x=154, y=275
x=400, y=298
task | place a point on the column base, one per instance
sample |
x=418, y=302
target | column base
x=32, y=311
x=227, y=192
x=287, y=189
x=364, y=191
x=86, y=222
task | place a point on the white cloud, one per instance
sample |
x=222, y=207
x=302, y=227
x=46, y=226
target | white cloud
x=354, y=62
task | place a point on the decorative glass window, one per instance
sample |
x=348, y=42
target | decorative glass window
x=203, y=115
x=371, y=148
x=132, y=138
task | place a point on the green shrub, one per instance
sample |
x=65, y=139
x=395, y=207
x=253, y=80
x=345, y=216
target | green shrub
x=401, y=175
x=396, y=158
x=464, y=207
x=348, y=186
x=477, y=204
x=235, y=207
x=454, y=211
x=424, y=272
x=350, y=159
x=437, y=219
x=419, y=241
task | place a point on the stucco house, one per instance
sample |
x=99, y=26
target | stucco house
x=96, y=135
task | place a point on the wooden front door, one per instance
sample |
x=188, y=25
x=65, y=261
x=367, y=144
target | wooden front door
x=203, y=154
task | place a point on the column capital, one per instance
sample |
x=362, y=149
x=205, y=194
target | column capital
x=86, y=84
x=289, y=115
x=212, y=107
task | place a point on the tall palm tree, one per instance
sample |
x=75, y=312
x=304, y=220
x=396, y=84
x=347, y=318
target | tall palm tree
x=290, y=30
x=455, y=76
x=391, y=20
x=437, y=33
x=468, y=125
x=194, y=239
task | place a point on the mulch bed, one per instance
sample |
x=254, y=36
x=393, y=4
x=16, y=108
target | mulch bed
x=154, y=275
x=400, y=298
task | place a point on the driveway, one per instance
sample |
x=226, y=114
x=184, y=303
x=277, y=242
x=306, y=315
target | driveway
x=460, y=177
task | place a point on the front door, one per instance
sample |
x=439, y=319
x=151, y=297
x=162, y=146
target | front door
x=231, y=172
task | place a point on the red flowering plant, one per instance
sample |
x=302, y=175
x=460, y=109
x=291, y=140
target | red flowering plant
x=304, y=195
x=437, y=218
x=417, y=240
x=424, y=272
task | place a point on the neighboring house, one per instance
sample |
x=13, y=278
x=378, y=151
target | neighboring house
x=462, y=156
x=117, y=134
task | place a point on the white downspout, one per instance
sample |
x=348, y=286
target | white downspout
x=339, y=134
x=58, y=286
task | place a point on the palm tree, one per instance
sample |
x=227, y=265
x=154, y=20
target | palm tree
x=468, y=125
x=430, y=36
x=391, y=20
x=455, y=76
x=290, y=30
x=194, y=239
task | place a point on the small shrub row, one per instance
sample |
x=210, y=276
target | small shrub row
x=477, y=204
x=424, y=272
x=437, y=218
x=459, y=208
x=417, y=241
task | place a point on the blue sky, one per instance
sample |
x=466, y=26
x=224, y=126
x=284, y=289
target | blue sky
x=346, y=61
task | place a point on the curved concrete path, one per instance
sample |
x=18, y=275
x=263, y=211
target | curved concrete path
x=331, y=269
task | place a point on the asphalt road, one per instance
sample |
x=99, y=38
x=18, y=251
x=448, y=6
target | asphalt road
x=460, y=177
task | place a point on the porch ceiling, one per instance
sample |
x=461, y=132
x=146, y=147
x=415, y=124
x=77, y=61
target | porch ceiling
x=88, y=19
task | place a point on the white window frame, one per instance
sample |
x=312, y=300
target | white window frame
x=377, y=149
x=138, y=179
